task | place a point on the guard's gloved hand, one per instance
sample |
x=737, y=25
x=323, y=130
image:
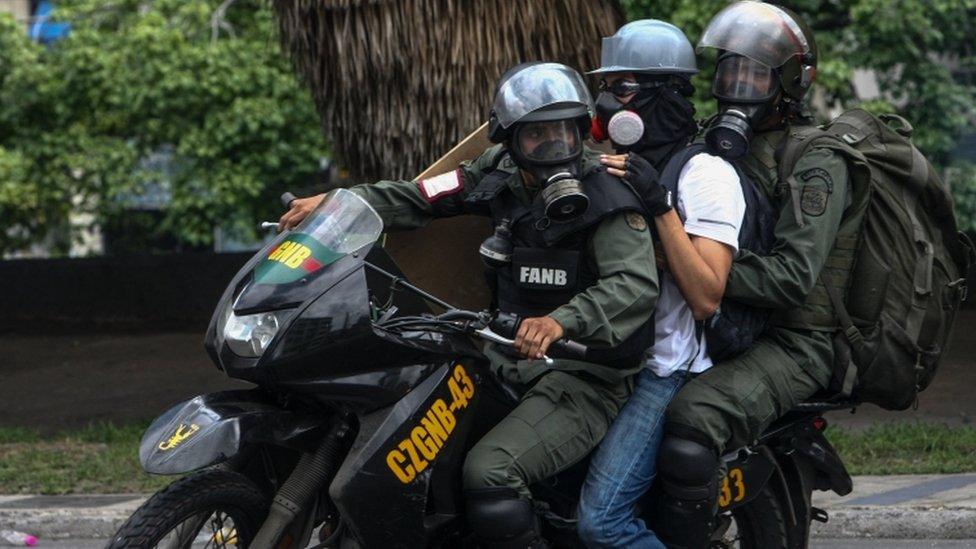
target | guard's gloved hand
x=643, y=178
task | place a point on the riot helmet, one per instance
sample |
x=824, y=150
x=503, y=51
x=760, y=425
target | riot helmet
x=650, y=114
x=647, y=46
x=542, y=112
x=766, y=64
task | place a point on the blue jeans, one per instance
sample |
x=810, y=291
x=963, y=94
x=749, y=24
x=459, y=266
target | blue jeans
x=624, y=467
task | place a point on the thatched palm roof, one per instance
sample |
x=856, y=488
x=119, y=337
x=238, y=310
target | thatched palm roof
x=398, y=82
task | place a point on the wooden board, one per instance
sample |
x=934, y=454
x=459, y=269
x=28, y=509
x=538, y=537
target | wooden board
x=443, y=257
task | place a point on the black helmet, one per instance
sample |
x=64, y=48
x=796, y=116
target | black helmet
x=536, y=92
x=772, y=39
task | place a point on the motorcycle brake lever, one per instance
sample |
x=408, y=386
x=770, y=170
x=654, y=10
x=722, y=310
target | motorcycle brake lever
x=488, y=335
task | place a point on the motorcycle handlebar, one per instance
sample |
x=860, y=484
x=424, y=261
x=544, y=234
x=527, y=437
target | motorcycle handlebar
x=569, y=348
x=565, y=347
x=286, y=199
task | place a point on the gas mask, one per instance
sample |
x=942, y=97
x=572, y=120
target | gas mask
x=496, y=250
x=746, y=92
x=552, y=152
x=651, y=123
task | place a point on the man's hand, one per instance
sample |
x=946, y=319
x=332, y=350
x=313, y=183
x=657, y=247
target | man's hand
x=636, y=170
x=536, y=334
x=300, y=208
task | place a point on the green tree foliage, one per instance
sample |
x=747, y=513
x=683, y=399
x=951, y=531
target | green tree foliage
x=79, y=118
x=922, y=53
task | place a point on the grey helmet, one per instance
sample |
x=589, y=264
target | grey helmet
x=538, y=92
x=647, y=46
x=770, y=35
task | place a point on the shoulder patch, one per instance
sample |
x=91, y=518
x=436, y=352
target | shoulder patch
x=817, y=187
x=818, y=173
x=439, y=186
x=813, y=200
x=635, y=221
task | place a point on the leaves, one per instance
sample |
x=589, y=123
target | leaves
x=922, y=54
x=910, y=46
x=79, y=119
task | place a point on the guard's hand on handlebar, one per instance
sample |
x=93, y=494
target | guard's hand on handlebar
x=300, y=208
x=536, y=334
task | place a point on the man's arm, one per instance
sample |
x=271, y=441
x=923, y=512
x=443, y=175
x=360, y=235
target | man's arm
x=623, y=298
x=699, y=250
x=699, y=265
x=406, y=204
x=785, y=277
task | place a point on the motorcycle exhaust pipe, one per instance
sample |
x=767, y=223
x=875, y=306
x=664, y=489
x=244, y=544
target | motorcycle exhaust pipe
x=313, y=470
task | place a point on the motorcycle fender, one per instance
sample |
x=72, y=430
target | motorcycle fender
x=812, y=445
x=746, y=474
x=212, y=428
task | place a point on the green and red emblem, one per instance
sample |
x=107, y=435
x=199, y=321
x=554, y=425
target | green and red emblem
x=297, y=256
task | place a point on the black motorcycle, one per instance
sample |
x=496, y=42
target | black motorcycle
x=365, y=405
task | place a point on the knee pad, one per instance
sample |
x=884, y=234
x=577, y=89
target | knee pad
x=685, y=510
x=500, y=518
x=686, y=467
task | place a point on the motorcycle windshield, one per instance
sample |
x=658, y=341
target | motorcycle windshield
x=341, y=224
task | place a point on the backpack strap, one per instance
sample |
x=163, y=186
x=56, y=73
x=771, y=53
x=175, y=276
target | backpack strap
x=853, y=336
x=672, y=170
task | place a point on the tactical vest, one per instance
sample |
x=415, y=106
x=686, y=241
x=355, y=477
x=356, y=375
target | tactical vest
x=551, y=261
x=735, y=326
x=816, y=313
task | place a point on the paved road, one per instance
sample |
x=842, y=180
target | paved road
x=891, y=543
x=815, y=544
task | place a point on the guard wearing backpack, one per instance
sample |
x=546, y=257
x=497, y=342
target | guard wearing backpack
x=872, y=329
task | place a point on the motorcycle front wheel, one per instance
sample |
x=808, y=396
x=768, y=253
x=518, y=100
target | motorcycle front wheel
x=209, y=509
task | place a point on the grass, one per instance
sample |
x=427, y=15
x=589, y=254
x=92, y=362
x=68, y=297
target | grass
x=104, y=458
x=906, y=448
x=98, y=459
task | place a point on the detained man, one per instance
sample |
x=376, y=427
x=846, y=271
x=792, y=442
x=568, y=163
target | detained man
x=653, y=60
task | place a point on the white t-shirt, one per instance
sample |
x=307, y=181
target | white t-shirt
x=711, y=203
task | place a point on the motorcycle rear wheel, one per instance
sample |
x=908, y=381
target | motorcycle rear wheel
x=761, y=524
x=178, y=516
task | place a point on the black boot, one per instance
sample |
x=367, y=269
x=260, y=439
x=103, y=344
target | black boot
x=500, y=519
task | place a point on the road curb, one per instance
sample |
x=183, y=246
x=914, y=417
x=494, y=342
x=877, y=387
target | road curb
x=63, y=523
x=848, y=523
x=898, y=523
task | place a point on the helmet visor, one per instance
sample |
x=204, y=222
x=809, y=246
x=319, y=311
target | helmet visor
x=762, y=32
x=539, y=86
x=547, y=142
x=742, y=79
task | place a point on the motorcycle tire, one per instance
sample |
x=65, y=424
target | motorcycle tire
x=195, y=499
x=761, y=524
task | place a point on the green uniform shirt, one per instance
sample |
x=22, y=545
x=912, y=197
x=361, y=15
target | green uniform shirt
x=784, y=278
x=604, y=314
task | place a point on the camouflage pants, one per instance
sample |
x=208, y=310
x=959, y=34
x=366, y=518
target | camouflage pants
x=730, y=405
x=558, y=422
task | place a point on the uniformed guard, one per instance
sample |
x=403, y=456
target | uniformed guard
x=766, y=64
x=572, y=252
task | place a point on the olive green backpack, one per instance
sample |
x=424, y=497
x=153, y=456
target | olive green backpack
x=910, y=267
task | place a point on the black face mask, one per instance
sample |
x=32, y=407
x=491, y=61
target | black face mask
x=652, y=124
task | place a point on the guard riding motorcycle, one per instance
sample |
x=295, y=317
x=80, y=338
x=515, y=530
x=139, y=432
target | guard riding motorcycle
x=365, y=405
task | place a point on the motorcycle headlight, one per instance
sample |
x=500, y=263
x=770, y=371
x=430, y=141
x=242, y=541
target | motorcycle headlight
x=249, y=335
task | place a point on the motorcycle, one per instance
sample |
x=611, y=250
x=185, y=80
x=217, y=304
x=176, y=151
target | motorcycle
x=365, y=404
